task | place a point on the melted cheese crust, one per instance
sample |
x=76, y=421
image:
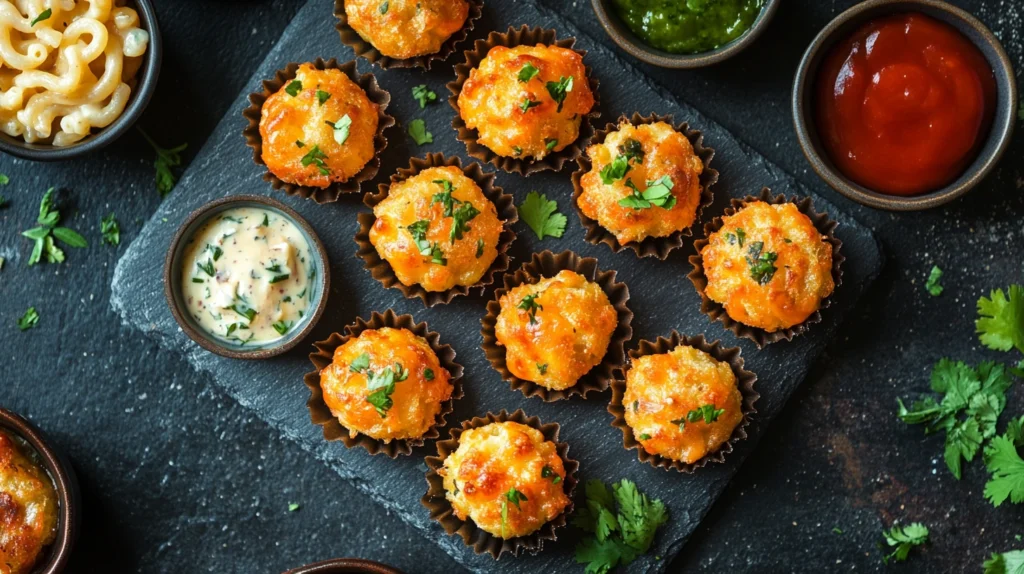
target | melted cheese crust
x=417, y=400
x=664, y=388
x=666, y=152
x=491, y=100
x=803, y=274
x=287, y=120
x=412, y=200
x=28, y=508
x=565, y=339
x=492, y=460
x=407, y=28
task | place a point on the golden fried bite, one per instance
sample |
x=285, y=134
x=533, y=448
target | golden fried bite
x=405, y=29
x=437, y=229
x=527, y=101
x=768, y=266
x=556, y=330
x=682, y=404
x=307, y=139
x=507, y=478
x=625, y=165
x=28, y=508
x=387, y=384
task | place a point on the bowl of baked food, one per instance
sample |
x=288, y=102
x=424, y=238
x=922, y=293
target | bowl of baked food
x=39, y=500
x=49, y=113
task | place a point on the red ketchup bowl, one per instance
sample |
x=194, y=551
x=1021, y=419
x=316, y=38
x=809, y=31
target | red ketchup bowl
x=904, y=104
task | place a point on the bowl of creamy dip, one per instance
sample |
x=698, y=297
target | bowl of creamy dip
x=246, y=277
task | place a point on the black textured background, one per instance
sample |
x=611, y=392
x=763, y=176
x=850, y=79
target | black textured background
x=179, y=478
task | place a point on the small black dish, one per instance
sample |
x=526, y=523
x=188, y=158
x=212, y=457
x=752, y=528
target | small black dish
x=55, y=557
x=627, y=40
x=145, y=86
x=172, y=285
x=845, y=24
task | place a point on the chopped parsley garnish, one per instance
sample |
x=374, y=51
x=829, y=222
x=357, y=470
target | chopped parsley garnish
x=762, y=265
x=166, y=159
x=1000, y=323
x=423, y=95
x=518, y=151
x=418, y=132
x=215, y=251
x=282, y=327
x=341, y=129
x=559, y=90
x=615, y=170
x=279, y=278
x=4, y=180
x=531, y=306
x=461, y=217
x=242, y=308
x=932, y=284
x=541, y=215
x=527, y=104
x=292, y=507
x=110, y=230
x=528, y=72
x=383, y=7
x=1003, y=460
x=418, y=230
x=44, y=15
x=739, y=237
x=207, y=267
x=515, y=497
x=645, y=436
x=658, y=193
x=428, y=374
x=293, y=88
x=316, y=157
x=383, y=386
x=361, y=363
x=47, y=231
x=437, y=255
x=550, y=143
x=542, y=368
x=299, y=144
x=622, y=525
x=445, y=198
x=29, y=319
x=547, y=472
x=707, y=412
x=903, y=539
x=632, y=149
x=266, y=220
x=322, y=97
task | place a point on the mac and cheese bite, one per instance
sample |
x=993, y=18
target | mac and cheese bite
x=318, y=129
x=556, y=330
x=405, y=29
x=505, y=477
x=683, y=404
x=527, y=101
x=437, y=229
x=387, y=384
x=645, y=182
x=768, y=266
x=28, y=507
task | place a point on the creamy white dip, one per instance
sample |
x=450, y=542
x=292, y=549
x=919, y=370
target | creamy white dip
x=246, y=276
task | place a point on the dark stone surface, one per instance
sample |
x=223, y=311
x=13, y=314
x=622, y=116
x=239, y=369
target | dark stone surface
x=836, y=457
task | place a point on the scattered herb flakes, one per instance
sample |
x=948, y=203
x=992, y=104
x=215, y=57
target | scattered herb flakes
x=44, y=15
x=615, y=170
x=166, y=159
x=29, y=319
x=322, y=96
x=293, y=88
x=543, y=369
x=418, y=132
x=383, y=8
x=461, y=217
x=3, y=200
x=645, y=436
x=531, y=306
x=658, y=193
x=739, y=236
x=836, y=530
x=44, y=234
x=316, y=157
x=548, y=472
x=528, y=72
x=437, y=255
x=527, y=104
x=341, y=129
x=423, y=95
x=559, y=90
x=383, y=386
x=622, y=525
x=4, y=180
x=762, y=264
x=904, y=539
x=299, y=144
x=1000, y=323
x=932, y=284
x=1011, y=562
x=707, y=412
x=293, y=506
x=282, y=327
x=418, y=230
x=515, y=497
x=110, y=230
x=428, y=374
x=360, y=364
x=550, y=143
x=1006, y=465
x=541, y=215
x=479, y=248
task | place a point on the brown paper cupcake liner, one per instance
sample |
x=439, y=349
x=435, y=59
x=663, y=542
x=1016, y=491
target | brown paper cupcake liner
x=328, y=194
x=366, y=50
x=547, y=264
x=716, y=311
x=382, y=271
x=324, y=355
x=744, y=380
x=518, y=37
x=441, y=509
x=658, y=247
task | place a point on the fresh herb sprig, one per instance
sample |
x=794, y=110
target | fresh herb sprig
x=542, y=215
x=903, y=539
x=530, y=305
x=1003, y=461
x=622, y=525
x=1011, y=562
x=110, y=230
x=657, y=194
x=380, y=383
x=166, y=161
x=1000, y=323
x=47, y=231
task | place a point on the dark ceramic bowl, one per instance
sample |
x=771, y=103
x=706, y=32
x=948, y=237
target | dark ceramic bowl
x=346, y=566
x=145, y=85
x=175, y=300
x=55, y=557
x=628, y=41
x=845, y=24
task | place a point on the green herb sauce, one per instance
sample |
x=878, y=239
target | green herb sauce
x=688, y=26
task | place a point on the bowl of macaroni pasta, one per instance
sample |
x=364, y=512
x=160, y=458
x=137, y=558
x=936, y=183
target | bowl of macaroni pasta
x=74, y=74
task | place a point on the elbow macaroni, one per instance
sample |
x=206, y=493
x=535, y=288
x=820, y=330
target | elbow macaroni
x=67, y=73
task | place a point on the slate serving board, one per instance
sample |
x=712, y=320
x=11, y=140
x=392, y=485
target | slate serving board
x=662, y=298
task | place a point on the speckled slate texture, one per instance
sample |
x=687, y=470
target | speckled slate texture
x=662, y=298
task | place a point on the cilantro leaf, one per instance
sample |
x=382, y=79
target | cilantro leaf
x=1006, y=466
x=528, y=72
x=1000, y=322
x=29, y=319
x=904, y=539
x=423, y=95
x=658, y=193
x=932, y=284
x=360, y=364
x=617, y=537
x=1011, y=562
x=639, y=517
x=418, y=132
x=293, y=88
x=341, y=129
x=111, y=230
x=559, y=90
x=541, y=215
x=615, y=170
x=166, y=159
x=322, y=97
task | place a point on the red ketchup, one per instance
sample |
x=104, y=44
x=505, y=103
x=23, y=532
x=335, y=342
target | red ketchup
x=904, y=104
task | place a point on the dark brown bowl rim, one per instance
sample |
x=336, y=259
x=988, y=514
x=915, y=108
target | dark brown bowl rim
x=171, y=285
x=987, y=157
x=145, y=87
x=345, y=566
x=624, y=37
x=59, y=468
